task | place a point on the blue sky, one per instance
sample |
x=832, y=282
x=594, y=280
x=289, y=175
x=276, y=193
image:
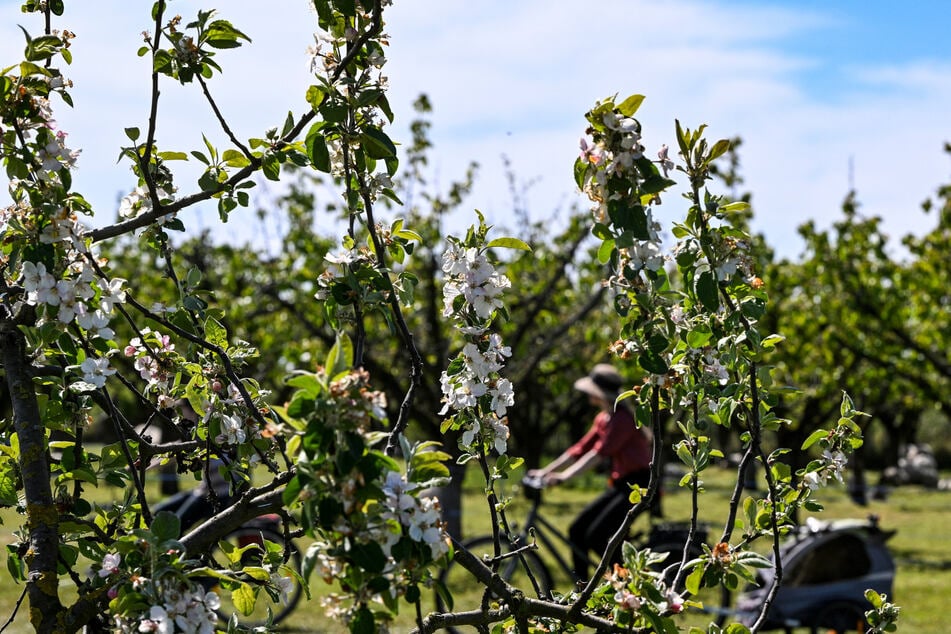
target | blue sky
x=811, y=86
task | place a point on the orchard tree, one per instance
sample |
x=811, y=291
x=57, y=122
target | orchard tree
x=329, y=458
x=868, y=318
x=554, y=330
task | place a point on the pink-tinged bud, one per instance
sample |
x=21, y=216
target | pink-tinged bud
x=113, y=592
x=216, y=386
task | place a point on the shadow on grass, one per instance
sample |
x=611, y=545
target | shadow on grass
x=909, y=558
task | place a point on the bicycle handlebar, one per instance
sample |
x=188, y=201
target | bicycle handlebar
x=533, y=482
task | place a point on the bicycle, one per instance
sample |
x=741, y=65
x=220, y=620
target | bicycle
x=251, y=542
x=662, y=537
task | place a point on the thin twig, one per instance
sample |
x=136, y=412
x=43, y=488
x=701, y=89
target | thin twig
x=16, y=608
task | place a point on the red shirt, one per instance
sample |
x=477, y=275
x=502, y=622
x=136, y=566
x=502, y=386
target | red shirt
x=616, y=437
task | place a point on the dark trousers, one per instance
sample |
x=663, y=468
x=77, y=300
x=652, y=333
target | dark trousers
x=594, y=526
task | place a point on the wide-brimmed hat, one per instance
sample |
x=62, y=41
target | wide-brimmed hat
x=603, y=382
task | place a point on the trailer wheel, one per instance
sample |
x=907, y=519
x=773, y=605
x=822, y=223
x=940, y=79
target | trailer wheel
x=841, y=617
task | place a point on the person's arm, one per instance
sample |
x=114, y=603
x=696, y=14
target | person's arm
x=564, y=459
x=582, y=464
x=570, y=458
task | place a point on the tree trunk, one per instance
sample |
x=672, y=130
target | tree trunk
x=46, y=610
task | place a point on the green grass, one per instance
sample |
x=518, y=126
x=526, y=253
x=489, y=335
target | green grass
x=921, y=518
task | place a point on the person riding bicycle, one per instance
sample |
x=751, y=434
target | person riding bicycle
x=613, y=436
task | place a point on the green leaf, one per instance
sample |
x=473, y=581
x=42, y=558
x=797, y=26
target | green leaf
x=291, y=491
x=257, y=573
x=234, y=158
x=369, y=556
x=221, y=34
x=605, y=251
x=652, y=362
x=172, y=156
x=699, y=336
x=363, y=622
x=340, y=357
x=630, y=217
x=734, y=207
x=657, y=343
x=132, y=133
x=315, y=96
x=162, y=62
x=166, y=525
x=719, y=148
x=376, y=144
x=307, y=382
x=82, y=474
x=847, y=408
x=271, y=167
x=215, y=333
x=42, y=47
x=630, y=105
x=509, y=243
x=655, y=184
x=15, y=565
x=316, y=147
x=581, y=170
x=693, y=580
x=8, y=483
x=708, y=291
x=814, y=437
x=243, y=598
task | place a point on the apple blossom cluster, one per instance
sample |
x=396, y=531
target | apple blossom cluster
x=79, y=297
x=155, y=360
x=419, y=516
x=831, y=466
x=611, y=179
x=731, y=257
x=361, y=89
x=138, y=202
x=186, y=612
x=471, y=386
x=52, y=155
x=227, y=409
x=402, y=514
x=74, y=292
x=165, y=605
x=471, y=280
x=637, y=587
x=337, y=270
x=375, y=529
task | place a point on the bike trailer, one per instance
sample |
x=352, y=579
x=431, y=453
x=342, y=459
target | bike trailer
x=827, y=567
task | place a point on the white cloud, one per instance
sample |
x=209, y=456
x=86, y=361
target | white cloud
x=517, y=77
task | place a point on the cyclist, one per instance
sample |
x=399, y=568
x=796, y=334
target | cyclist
x=614, y=437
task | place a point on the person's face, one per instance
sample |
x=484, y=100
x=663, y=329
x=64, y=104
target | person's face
x=597, y=401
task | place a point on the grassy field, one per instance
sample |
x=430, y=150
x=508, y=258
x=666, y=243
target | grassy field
x=920, y=548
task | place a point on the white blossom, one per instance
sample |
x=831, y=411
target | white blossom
x=503, y=397
x=232, y=430
x=96, y=370
x=110, y=564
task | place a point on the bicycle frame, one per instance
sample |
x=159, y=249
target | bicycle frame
x=542, y=527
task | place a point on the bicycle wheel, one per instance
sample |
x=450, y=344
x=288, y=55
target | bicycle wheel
x=467, y=594
x=254, y=556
